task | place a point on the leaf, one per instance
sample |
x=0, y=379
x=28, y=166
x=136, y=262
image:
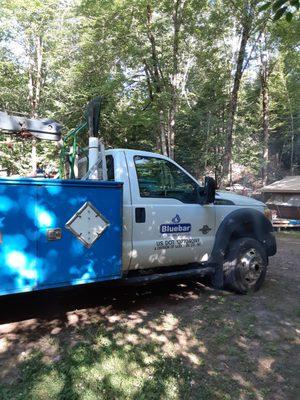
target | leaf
x=279, y=13
x=278, y=4
x=295, y=3
x=289, y=16
x=265, y=6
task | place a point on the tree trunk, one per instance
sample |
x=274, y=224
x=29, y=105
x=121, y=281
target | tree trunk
x=266, y=128
x=205, y=151
x=39, y=65
x=35, y=83
x=163, y=141
x=292, y=125
x=165, y=92
x=292, y=141
x=232, y=106
x=154, y=78
x=175, y=81
x=171, y=130
x=31, y=86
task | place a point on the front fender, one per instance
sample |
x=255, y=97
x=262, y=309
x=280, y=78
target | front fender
x=240, y=223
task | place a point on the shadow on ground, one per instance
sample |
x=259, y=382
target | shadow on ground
x=180, y=340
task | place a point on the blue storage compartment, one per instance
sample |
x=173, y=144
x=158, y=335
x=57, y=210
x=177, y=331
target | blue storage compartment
x=58, y=233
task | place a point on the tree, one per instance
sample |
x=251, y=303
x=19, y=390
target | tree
x=30, y=28
x=280, y=8
x=265, y=70
x=180, y=77
x=246, y=24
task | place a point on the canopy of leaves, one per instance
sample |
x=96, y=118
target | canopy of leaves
x=55, y=55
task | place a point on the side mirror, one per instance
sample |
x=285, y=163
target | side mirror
x=209, y=190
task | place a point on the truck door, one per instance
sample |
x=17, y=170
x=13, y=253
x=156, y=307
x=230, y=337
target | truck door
x=170, y=227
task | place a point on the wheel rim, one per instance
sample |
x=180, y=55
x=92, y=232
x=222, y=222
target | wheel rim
x=251, y=267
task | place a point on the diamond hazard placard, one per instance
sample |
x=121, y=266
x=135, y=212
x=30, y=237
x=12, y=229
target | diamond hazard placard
x=87, y=224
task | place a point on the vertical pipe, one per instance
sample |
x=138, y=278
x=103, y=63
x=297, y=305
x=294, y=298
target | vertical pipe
x=76, y=174
x=33, y=157
x=93, y=156
x=103, y=159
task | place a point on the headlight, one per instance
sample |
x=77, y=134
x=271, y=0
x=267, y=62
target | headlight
x=268, y=213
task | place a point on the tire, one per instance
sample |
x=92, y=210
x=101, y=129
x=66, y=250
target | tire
x=245, y=266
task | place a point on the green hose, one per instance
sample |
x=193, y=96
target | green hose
x=65, y=154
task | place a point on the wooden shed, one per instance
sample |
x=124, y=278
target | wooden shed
x=283, y=198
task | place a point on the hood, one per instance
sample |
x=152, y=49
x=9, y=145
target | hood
x=238, y=199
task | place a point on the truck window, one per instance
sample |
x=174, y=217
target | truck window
x=110, y=168
x=83, y=168
x=162, y=179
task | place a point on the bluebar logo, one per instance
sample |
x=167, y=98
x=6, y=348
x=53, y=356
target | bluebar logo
x=175, y=228
x=176, y=219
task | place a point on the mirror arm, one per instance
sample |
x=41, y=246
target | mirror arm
x=200, y=195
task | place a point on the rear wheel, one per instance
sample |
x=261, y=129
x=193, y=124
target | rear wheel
x=245, y=266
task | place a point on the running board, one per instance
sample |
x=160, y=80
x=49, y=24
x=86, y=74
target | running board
x=168, y=276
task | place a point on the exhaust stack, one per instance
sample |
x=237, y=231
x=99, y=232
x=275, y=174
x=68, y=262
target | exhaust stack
x=95, y=144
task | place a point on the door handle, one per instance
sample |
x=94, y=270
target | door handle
x=140, y=215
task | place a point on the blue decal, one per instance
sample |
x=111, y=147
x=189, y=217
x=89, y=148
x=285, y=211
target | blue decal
x=176, y=219
x=176, y=227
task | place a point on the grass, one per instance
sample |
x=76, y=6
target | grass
x=203, y=345
x=116, y=363
x=120, y=362
x=91, y=371
x=289, y=233
x=87, y=372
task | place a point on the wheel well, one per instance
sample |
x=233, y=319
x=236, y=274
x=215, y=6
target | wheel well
x=246, y=229
x=239, y=224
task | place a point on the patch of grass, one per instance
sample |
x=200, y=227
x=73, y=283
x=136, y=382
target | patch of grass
x=221, y=300
x=204, y=350
x=288, y=233
x=234, y=351
x=250, y=319
x=271, y=348
x=264, y=392
x=223, y=335
x=103, y=370
x=247, y=326
x=237, y=306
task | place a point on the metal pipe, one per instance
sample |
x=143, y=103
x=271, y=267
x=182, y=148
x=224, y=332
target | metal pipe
x=93, y=156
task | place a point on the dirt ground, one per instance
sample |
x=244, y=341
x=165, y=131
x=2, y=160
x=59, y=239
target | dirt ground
x=181, y=340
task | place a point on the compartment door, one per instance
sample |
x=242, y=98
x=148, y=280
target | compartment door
x=66, y=253
x=18, y=236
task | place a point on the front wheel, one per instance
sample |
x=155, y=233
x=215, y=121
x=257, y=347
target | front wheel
x=245, y=266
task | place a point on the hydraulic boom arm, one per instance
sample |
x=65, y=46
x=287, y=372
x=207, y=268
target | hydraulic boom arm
x=39, y=128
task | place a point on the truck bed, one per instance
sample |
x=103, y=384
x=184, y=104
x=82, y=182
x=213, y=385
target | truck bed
x=58, y=233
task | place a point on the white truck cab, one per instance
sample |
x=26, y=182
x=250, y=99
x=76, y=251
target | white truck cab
x=167, y=222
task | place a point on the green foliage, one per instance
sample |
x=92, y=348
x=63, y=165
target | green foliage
x=92, y=48
x=280, y=8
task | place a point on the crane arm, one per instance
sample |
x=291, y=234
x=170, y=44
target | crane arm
x=46, y=129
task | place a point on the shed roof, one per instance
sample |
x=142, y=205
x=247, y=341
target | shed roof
x=289, y=184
